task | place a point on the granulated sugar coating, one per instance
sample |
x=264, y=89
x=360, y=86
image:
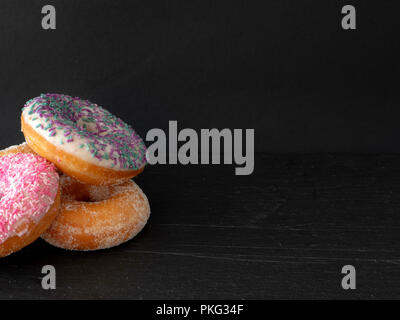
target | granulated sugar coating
x=19, y=148
x=28, y=187
x=98, y=217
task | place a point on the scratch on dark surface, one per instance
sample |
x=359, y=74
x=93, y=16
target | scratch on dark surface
x=271, y=259
x=289, y=248
x=283, y=228
x=221, y=258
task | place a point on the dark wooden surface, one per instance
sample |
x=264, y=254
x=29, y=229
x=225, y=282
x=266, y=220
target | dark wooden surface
x=283, y=232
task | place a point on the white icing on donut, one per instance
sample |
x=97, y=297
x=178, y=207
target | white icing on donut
x=85, y=130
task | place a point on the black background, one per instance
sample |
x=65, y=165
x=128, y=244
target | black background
x=286, y=69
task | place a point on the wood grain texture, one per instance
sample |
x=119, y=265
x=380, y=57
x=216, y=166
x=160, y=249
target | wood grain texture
x=283, y=232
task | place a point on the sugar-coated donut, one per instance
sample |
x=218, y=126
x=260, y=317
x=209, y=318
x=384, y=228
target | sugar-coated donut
x=82, y=139
x=30, y=199
x=19, y=148
x=97, y=217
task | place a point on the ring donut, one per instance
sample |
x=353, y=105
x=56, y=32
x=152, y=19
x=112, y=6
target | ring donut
x=97, y=217
x=30, y=199
x=82, y=139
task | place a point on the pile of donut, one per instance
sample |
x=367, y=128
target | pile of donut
x=70, y=182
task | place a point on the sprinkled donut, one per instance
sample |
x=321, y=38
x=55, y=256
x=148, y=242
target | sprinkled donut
x=97, y=217
x=82, y=139
x=30, y=199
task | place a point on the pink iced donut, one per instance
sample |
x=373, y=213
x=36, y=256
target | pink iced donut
x=30, y=199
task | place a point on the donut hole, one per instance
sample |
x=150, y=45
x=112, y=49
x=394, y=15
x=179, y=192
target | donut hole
x=86, y=193
x=76, y=194
x=97, y=194
x=87, y=126
x=74, y=190
x=83, y=198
